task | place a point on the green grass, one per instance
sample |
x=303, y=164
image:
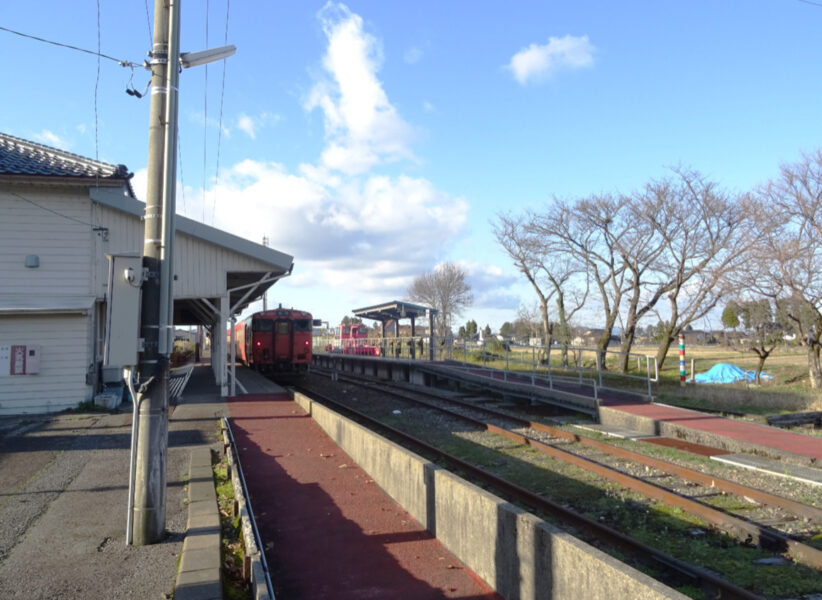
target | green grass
x=664, y=527
x=232, y=550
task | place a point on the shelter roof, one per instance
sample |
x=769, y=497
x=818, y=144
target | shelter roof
x=279, y=260
x=394, y=310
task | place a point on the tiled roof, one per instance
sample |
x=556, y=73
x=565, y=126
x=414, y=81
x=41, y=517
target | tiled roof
x=22, y=157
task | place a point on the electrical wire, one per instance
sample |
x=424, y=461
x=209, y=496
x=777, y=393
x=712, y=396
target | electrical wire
x=205, y=121
x=122, y=63
x=148, y=24
x=220, y=129
x=819, y=4
x=96, y=89
x=180, y=165
x=47, y=209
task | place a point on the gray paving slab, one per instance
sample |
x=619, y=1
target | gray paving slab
x=199, y=585
x=773, y=467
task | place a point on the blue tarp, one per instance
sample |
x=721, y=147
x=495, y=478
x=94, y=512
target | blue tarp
x=728, y=373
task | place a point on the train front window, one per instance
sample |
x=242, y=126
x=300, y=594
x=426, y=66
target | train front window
x=302, y=325
x=283, y=327
x=262, y=325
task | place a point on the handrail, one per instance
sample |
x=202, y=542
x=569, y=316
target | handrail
x=462, y=351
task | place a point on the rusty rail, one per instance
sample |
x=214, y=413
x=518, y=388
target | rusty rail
x=642, y=552
x=747, y=532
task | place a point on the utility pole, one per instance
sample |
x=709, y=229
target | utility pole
x=148, y=516
x=147, y=508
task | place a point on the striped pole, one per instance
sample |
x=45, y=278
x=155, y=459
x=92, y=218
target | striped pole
x=682, y=359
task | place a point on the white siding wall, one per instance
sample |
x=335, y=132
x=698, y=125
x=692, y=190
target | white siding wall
x=125, y=235
x=64, y=360
x=63, y=243
x=57, y=224
x=199, y=265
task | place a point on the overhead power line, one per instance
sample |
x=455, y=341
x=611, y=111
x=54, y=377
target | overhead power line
x=122, y=63
x=220, y=126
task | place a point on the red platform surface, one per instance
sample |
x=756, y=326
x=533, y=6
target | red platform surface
x=738, y=430
x=329, y=531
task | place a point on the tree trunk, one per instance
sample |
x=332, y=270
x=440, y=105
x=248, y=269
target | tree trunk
x=759, y=366
x=662, y=349
x=546, y=326
x=625, y=348
x=814, y=369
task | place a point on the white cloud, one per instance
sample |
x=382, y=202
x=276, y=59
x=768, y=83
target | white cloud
x=380, y=232
x=412, y=55
x=250, y=125
x=362, y=127
x=491, y=286
x=246, y=124
x=539, y=62
x=428, y=107
x=356, y=235
x=52, y=139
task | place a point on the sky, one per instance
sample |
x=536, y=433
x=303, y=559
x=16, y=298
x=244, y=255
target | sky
x=374, y=140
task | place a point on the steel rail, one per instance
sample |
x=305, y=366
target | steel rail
x=642, y=552
x=747, y=532
x=797, y=508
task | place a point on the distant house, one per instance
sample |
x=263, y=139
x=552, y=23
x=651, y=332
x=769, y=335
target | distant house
x=590, y=337
x=62, y=214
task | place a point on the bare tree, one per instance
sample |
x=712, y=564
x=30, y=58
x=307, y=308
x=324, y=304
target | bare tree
x=590, y=231
x=789, y=253
x=549, y=271
x=703, y=235
x=445, y=289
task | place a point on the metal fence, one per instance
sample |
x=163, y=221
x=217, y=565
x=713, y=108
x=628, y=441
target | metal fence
x=579, y=365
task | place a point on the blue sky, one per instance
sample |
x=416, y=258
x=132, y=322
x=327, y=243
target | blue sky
x=373, y=140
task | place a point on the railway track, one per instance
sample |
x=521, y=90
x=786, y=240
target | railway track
x=663, y=482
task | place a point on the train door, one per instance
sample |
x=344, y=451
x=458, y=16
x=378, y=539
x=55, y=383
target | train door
x=283, y=342
x=248, y=343
x=263, y=346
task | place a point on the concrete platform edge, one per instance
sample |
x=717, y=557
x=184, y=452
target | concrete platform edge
x=516, y=553
x=198, y=577
x=613, y=417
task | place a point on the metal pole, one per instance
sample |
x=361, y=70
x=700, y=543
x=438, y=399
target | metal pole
x=149, y=511
x=233, y=357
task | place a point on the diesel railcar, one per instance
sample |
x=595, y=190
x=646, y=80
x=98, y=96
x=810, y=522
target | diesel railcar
x=277, y=340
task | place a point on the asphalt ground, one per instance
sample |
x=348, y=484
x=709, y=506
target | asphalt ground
x=63, y=503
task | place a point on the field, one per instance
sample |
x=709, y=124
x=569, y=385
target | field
x=788, y=391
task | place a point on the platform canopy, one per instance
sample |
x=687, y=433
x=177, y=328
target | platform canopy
x=394, y=311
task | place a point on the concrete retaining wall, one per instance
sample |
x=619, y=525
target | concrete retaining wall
x=516, y=553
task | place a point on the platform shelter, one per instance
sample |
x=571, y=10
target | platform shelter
x=396, y=310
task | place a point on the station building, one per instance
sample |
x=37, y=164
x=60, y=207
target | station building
x=61, y=217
